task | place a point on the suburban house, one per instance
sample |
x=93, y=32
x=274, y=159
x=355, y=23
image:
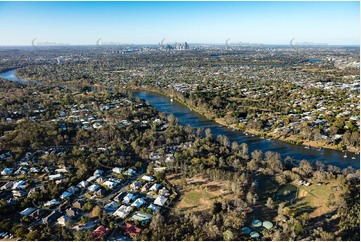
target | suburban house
x=136, y=185
x=131, y=229
x=7, y=171
x=51, y=217
x=92, y=178
x=117, y=170
x=78, y=204
x=138, y=203
x=51, y=203
x=155, y=187
x=72, y=212
x=55, y=177
x=128, y=198
x=111, y=184
x=27, y=211
x=160, y=201
x=83, y=184
x=147, y=178
x=111, y=207
x=119, y=197
x=19, y=193
x=93, y=187
x=7, y=185
x=122, y=212
x=36, y=214
x=100, y=232
x=63, y=220
x=130, y=172
x=98, y=172
x=142, y=217
x=19, y=185
x=154, y=208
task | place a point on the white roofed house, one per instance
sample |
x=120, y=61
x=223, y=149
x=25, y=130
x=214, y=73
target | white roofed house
x=27, y=211
x=83, y=184
x=123, y=211
x=111, y=184
x=155, y=187
x=128, y=198
x=130, y=172
x=18, y=193
x=55, y=177
x=35, y=170
x=138, y=203
x=63, y=220
x=93, y=187
x=160, y=201
x=153, y=207
x=7, y=185
x=62, y=170
x=117, y=170
x=19, y=185
x=147, y=178
x=51, y=203
x=98, y=172
x=7, y=171
x=136, y=185
x=164, y=192
x=92, y=178
x=21, y=170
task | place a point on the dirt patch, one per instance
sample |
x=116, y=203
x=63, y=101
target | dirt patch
x=302, y=193
x=200, y=193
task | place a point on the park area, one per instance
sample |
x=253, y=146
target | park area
x=317, y=198
x=199, y=194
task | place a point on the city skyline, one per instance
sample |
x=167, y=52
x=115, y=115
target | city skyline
x=91, y=23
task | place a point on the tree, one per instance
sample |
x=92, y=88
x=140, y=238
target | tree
x=97, y=212
x=208, y=133
x=157, y=222
x=217, y=101
x=306, y=167
x=21, y=232
x=270, y=203
x=33, y=235
x=228, y=235
x=216, y=207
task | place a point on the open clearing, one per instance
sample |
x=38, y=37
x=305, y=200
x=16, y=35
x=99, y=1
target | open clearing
x=199, y=193
x=313, y=199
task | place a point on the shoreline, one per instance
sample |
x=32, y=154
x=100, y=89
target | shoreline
x=221, y=121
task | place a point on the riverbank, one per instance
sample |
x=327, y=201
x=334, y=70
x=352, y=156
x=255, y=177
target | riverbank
x=243, y=129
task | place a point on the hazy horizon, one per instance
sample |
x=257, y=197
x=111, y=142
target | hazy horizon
x=145, y=23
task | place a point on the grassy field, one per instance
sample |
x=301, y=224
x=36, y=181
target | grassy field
x=313, y=199
x=199, y=194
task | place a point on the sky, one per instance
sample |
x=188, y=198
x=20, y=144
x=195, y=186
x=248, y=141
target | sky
x=89, y=23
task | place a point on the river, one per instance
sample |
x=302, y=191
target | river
x=11, y=76
x=189, y=117
x=298, y=152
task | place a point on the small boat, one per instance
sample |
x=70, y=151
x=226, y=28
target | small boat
x=246, y=134
x=307, y=147
x=345, y=156
x=171, y=99
x=320, y=149
x=353, y=157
